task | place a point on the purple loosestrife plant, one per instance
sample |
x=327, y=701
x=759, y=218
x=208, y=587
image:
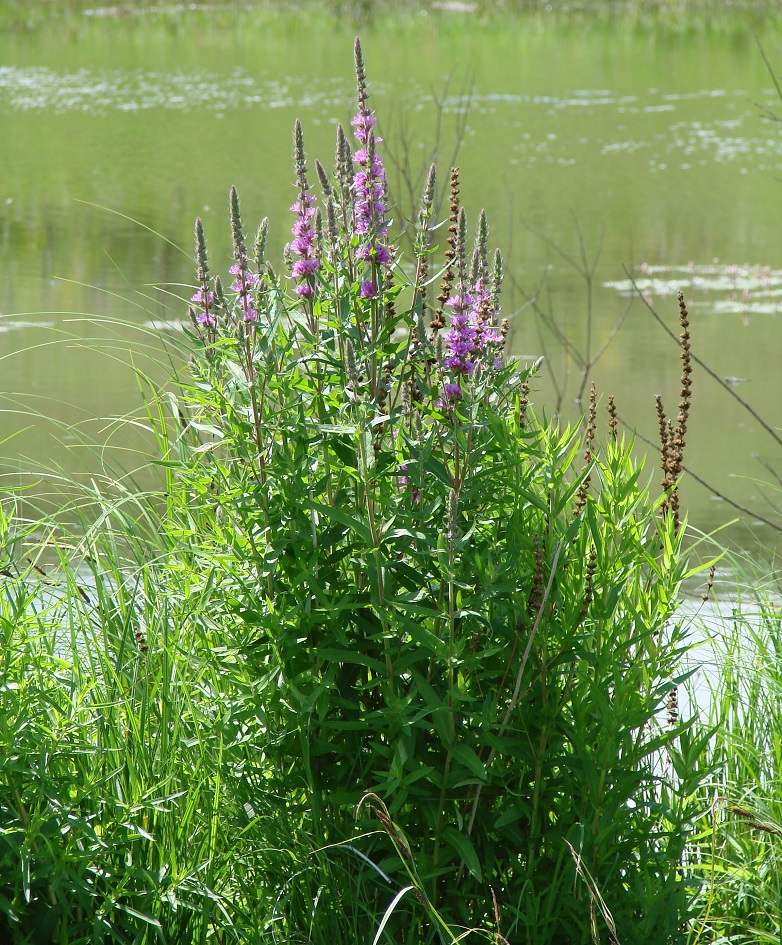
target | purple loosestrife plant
x=388, y=561
x=303, y=245
x=369, y=189
x=204, y=300
x=203, y=315
x=244, y=279
x=472, y=343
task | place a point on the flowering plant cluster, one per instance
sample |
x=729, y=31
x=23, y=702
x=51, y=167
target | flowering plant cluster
x=436, y=606
x=361, y=257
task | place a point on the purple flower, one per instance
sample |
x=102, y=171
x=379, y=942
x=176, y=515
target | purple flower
x=378, y=254
x=369, y=192
x=244, y=280
x=243, y=285
x=303, y=245
x=205, y=300
x=460, y=343
x=471, y=340
x=362, y=123
x=404, y=480
x=368, y=289
x=451, y=393
x=248, y=312
x=304, y=267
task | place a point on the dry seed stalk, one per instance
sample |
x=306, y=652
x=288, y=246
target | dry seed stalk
x=581, y=495
x=438, y=322
x=680, y=431
x=523, y=404
x=709, y=583
x=612, y=417
x=673, y=707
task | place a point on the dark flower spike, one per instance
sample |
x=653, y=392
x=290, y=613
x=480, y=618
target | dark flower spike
x=361, y=77
x=429, y=188
x=204, y=298
x=496, y=283
x=200, y=249
x=438, y=321
x=343, y=159
x=461, y=243
x=476, y=271
x=422, y=238
x=237, y=233
x=480, y=254
x=244, y=280
x=319, y=231
x=663, y=426
x=323, y=177
x=259, y=247
x=612, y=417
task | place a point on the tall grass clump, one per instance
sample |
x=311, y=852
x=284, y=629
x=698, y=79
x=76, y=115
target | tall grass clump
x=736, y=851
x=391, y=655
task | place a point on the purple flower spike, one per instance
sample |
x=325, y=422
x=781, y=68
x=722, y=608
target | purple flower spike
x=368, y=289
x=243, y=286
x=205, y=302
x=472, y=341
x=303, y=245
x=369, y=185
x=363, y=123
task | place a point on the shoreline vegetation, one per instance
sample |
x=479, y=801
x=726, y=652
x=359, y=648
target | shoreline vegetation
x=737, y=17
x=387, y=653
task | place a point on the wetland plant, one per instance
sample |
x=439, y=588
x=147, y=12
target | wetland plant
x=394, y=654
x=470, y=631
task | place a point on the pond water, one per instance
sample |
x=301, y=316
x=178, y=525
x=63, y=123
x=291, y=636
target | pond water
x=650, y=152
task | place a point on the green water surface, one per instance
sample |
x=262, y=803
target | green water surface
x=649, y=149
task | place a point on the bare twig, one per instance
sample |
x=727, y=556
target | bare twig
x=409, y=183
x=769, y=114
x=584, y=357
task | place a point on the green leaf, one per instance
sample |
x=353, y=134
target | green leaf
x=344, y=518
x=467, y=757
x=462, y=846
x=389, y=911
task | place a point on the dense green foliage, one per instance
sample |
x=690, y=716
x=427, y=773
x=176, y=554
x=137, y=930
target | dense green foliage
x=390, y=655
